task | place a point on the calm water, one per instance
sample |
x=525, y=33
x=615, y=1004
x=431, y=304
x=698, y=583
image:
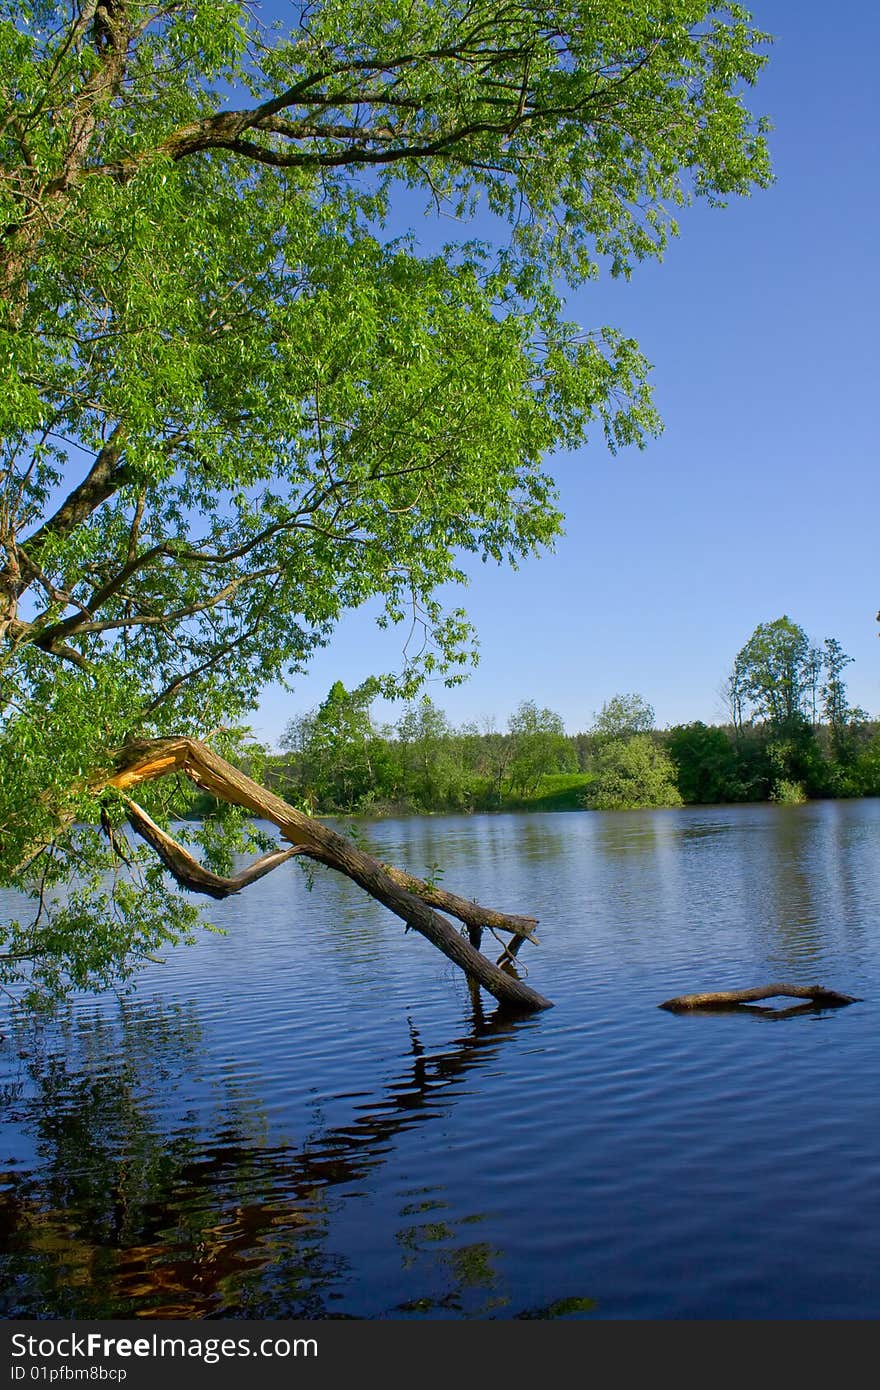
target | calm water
x=310, y=1118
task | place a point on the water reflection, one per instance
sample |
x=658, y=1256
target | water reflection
x=763, y=1011
x=288, y=1145
x=783, y=881
x=466, y=1269
x=146, y=1196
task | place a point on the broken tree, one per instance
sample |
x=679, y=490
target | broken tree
x=407, y=896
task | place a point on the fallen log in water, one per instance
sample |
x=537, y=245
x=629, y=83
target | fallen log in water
x=723, y=998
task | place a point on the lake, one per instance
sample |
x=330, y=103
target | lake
x=310, y=1117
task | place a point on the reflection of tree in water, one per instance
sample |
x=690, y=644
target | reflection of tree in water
x=468, y=1268
x=142, y=1203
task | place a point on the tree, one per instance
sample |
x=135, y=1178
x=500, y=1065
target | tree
x=776, y=671
x=732, y=692
x=234, y=406
x=335, y=747
x=813, y=665
x=808, y=737
x=435, y=775
x=623, y=716
x=706, y=764
x=865, y=777
x=538, y=744
x=846, y=724
x=833, y=691
x=633, y=773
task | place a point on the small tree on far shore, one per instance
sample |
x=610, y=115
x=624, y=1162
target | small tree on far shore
x=632, y=774
x=623, y=716
x=538, y=746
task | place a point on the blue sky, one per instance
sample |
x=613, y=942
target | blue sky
x=758, y=499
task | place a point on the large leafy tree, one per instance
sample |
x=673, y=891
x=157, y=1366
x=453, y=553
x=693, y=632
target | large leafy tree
x=778, y=673
x=432, y=770
x=775, y=670
x=624, y=716
x=234, y=405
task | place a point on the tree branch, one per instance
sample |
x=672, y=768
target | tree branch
x=103, y=479
x=188, y=872
x=727, y=998
x=144, y=760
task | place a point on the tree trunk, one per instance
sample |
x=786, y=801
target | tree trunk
x=408, y=897
x=722, y=998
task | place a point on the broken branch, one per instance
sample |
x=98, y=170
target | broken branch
x=720, y=999
x=406, y=896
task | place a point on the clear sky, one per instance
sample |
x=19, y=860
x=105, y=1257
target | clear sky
x=759, y=498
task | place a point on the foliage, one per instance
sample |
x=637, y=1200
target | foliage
x=630, y=766
x=708, y=769
x=794, y=758
x=633, y=773
x=834, y=691
x=777, y=681
x=623, y=716
x=238, y=399
x=864, y=777
x=335, y=747
x=774, y=668
x=788, y=793
x=538, y=744
x=433, y=770
x=429, y=765
x=422, y=763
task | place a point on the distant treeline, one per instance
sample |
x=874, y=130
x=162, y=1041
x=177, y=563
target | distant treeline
x=791, y=736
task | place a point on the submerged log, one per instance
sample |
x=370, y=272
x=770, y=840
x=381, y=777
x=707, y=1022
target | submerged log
x=724, y=998
x=411, y=899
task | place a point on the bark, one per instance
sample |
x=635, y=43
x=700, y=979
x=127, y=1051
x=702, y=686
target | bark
x=188, y=871
x=408, y=897
x=721, y=999
x=103, y=479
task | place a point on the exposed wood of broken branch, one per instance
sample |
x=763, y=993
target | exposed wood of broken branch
x=188, y=871
x=403, y=894
x=720, y=998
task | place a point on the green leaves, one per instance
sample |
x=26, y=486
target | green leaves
x=238, y=398
x=775, y=671
x=537, y=746
x=633, y=773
